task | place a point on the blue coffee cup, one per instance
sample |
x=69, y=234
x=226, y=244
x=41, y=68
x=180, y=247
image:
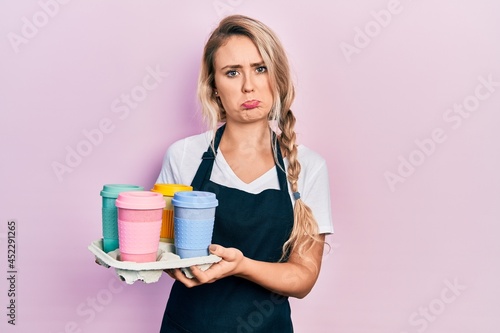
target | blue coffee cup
x=194, y=216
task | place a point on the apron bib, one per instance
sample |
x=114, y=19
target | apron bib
x=258, y=225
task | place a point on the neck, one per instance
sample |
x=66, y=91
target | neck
x=246, y=136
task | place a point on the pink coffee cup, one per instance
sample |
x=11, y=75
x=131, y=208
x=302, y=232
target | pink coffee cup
x=139, y=224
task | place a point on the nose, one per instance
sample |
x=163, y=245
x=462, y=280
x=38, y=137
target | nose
x=248, y=84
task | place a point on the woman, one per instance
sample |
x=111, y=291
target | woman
x=270, y=242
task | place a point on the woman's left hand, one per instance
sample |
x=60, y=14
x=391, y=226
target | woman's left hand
x=229, y=265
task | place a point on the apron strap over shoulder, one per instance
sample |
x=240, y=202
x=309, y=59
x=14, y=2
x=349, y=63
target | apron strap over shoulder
x=207, y=161
x=280, y=169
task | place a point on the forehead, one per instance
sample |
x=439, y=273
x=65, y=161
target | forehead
x=237, y=50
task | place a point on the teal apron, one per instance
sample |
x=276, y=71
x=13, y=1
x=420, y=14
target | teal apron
x=258, y=225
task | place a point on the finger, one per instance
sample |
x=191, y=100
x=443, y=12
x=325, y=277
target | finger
x=202, y=276
x=179, y=275
x=227, y=254
x=170, y=273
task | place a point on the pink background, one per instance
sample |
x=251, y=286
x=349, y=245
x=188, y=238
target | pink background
x=420, y=255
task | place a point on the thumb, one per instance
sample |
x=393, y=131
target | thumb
x=227, y=254
x=215, y=249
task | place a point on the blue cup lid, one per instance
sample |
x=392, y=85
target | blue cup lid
x=113, y=190
x=195, y=199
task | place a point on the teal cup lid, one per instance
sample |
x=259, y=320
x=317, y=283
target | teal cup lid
x=195, y=199
x=113, y=190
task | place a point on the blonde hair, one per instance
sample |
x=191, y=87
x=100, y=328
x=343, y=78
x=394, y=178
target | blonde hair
x=305, y=230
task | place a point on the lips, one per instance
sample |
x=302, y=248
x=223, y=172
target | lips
x=250, y=104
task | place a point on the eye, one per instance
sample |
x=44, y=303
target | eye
x=261, y=69
x=231, y=73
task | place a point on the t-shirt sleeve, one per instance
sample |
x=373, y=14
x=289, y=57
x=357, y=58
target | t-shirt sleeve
x=316, y=192
x=182, y=159
x=172, y=161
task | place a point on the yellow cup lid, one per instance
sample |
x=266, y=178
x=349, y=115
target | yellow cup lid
x=170, y=189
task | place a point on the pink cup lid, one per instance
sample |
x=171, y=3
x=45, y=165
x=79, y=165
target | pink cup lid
x=140, y=200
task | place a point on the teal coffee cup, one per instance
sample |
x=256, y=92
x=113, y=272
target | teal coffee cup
x=194, y=216
x=109, y=194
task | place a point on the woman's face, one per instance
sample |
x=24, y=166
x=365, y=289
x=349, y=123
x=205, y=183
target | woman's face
x=242, y=81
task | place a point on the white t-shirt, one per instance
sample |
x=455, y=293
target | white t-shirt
x=184, y=157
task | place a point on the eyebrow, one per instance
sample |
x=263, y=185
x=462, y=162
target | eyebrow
x=255, y=64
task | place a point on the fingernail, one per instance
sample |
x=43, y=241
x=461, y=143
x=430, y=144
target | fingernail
x=212, y=248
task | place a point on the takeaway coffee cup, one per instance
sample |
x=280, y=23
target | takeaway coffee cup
x=168, y=191
x=109, y=194
x=139, y=224
x=194, y=214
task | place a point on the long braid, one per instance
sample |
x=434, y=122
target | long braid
x=305, y=229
